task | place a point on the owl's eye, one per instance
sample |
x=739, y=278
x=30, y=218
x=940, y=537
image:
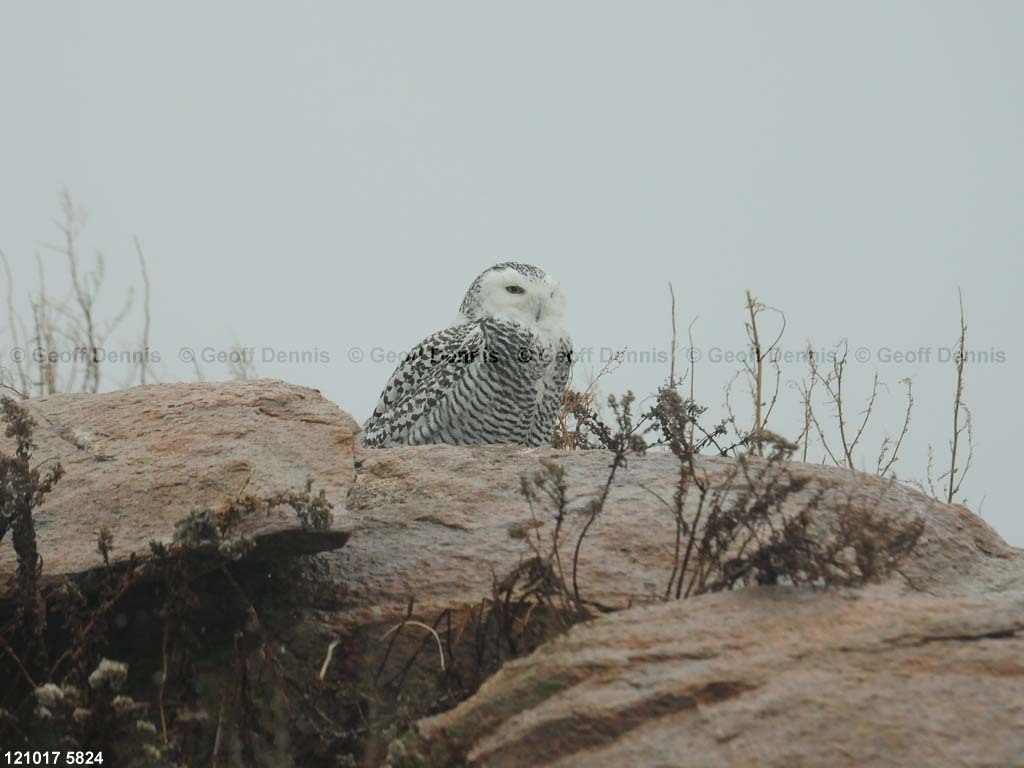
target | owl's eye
x=515, y=289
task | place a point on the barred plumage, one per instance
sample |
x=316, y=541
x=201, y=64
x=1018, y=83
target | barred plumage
x=497, y=375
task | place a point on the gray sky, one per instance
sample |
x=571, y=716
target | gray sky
x=322, y=176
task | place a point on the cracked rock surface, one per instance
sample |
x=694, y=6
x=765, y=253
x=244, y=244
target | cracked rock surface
x=758, y=677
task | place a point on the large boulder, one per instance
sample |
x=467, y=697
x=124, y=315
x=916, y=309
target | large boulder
x=441, y=522
x=138, y=461
x=761, y=677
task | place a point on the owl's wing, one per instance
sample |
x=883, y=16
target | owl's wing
x=430, y=377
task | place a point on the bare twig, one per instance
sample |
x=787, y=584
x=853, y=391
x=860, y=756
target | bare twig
x=693, y=373
x=887, y=444
x=144, y=361
x=807, y=398
x=755, y=368
x=956, y=475
x=758, y=375
x=13, y=321
x=833, y=383
x=327, y=658
x=421, y=625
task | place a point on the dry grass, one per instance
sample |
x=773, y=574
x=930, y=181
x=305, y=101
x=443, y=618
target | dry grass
x=64, y=342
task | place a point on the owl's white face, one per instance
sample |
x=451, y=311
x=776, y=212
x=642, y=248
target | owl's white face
x=537, y=303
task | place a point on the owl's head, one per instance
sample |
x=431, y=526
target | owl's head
x=518, y=292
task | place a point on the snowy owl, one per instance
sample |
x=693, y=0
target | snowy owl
x=496, y=375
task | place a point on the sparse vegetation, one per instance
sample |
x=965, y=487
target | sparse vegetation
x=63, y=346
x=580, y=426
x=70, y=338
x=761, y=524
x=60, y=638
